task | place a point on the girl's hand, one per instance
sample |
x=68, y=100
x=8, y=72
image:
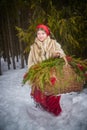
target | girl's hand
x=55, y=55
x=66, y=62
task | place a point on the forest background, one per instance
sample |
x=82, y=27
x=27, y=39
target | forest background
x=67, y=20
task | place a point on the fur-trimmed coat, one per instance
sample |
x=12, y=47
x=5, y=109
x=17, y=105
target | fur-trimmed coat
x=40, y=51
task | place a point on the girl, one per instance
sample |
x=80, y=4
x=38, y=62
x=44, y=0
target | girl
x=44, y=48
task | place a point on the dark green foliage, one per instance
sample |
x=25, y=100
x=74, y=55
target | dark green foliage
x=67, y=21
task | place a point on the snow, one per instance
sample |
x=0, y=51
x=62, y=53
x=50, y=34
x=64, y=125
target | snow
x=18, y=111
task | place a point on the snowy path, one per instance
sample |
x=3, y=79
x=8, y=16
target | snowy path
x=18, y=111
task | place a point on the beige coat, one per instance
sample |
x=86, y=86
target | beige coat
x=44, y=50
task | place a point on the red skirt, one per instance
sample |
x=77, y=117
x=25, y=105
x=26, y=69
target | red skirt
x=49, y=103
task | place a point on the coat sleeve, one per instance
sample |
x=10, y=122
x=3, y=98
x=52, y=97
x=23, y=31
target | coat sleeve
x=30, y=59
x=59, y=50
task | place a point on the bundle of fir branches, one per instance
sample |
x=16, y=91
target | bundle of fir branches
x=49, y=74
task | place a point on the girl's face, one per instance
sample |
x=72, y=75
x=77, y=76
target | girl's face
x=41, y=35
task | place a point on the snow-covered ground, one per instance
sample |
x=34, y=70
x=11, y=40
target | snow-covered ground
x=18, y=111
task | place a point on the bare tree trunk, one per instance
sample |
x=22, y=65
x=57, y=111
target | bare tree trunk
x=10, y=39
x=1, y=52
x=5, y=40
x=17, y=50
x=0, y=66
x=20, y=44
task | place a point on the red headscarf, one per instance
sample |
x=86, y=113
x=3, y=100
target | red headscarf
x=44, y=27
